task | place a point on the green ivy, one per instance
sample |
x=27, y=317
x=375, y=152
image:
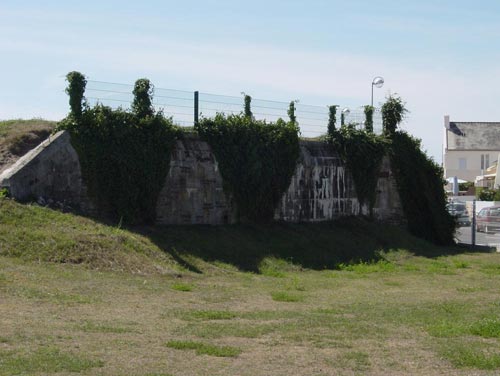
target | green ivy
x=76, y=90
x=256, y=160
x=421, y=188
x=291, y=112
x=143, y=97
x=332, y=119
x=362, y=153
x=124, y=157
x=419, y=179
x=393, y=112
x=369, y=118
x=247, y=108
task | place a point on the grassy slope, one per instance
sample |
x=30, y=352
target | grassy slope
x=402, y=314
x=35, y=233
x=18, y=136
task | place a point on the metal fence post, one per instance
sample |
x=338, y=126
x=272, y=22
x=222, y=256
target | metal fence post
x=196, y=106
x=473, y=224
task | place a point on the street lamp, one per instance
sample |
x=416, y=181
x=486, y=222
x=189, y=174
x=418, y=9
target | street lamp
x=378, y=82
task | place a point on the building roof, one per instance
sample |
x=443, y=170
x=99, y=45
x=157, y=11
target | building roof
x=474, y=136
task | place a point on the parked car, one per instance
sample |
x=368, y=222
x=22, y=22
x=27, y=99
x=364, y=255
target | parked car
x=488, y=219
x=459, y=211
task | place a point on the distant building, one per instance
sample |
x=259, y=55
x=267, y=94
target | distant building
x=469, y=148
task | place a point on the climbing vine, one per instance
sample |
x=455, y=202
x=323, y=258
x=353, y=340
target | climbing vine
x=332, y=119
x=143, y=97
x=124, y=156
x=76, y=90
x=419, y=179
x=421, y=188
x=393, y=112
x=247, y=108
x=291, y=112
x=256, y=160
x=369, y=118
x=362, y=152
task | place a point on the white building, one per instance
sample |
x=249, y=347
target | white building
x=469, y=148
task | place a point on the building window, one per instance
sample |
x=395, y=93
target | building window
x=485, y=161
x=462, y=163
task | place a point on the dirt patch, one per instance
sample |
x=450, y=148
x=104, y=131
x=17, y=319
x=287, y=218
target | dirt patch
x=17, y=137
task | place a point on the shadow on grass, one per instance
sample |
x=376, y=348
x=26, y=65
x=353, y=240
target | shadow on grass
x=310, y=245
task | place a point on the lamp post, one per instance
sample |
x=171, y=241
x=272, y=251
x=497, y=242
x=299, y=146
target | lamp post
x=378, y=82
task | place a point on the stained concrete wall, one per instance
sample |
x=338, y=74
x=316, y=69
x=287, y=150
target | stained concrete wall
x=321, y=188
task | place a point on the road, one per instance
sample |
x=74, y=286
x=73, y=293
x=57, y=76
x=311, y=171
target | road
x=464, y=236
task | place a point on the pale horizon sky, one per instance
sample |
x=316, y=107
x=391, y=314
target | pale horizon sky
x=441, y=57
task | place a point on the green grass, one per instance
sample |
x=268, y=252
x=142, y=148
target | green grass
x=487, y=328
x=284, y=296
x=348, y=297
x=182, y=287
x=46, y=360
x=212, y=315
x=472, y=356
x=230, y=329
x=34, y=233
x=94, y=327
x=205, y=348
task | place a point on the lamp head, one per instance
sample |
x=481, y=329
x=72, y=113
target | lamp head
x=378, y=82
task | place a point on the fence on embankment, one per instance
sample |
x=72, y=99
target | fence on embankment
x=186, y=106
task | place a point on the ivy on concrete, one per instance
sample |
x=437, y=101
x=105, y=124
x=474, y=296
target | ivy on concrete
x=124, y=155
x=369, y=118
x=256, y=159
x=332, y=119
x=421, y=188
x=419, y=179
x=362, y=153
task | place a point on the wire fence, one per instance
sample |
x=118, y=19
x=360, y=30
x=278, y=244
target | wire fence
x=182, y=107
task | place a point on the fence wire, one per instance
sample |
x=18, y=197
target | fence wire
x=180, y=106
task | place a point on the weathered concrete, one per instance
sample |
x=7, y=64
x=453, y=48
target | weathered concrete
x=50, y=171
x=387, y=206
x=321, y=188
x=193, y=191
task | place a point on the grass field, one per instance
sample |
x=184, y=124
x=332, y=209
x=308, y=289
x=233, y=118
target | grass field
x=190, y=306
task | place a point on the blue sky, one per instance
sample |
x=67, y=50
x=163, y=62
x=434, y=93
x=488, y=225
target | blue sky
x=442, y=57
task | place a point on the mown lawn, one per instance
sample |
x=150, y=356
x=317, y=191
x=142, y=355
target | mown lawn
x=399, y=313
